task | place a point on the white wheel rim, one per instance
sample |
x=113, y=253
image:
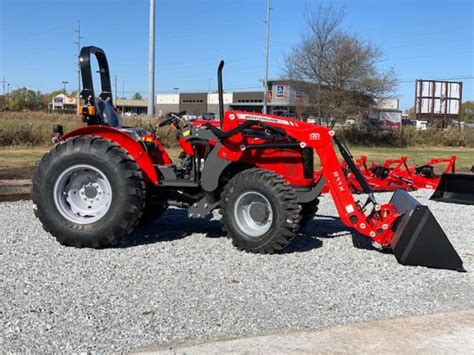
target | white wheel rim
x=253, y=214
x=82, y=194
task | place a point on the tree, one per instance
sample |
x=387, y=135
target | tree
x=337, y=70
x=137, y=96
x=411, y=113
x=24, y=99
x=467, y=111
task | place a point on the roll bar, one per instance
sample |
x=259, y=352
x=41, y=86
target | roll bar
x=87, y=92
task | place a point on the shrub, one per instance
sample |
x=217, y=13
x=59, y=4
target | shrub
x=408, y=137
x=35, y=128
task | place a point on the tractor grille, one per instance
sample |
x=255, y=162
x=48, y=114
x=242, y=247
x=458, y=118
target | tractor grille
x=308, y=162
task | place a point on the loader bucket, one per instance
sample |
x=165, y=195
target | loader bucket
x=455, y=188
x=418, y=238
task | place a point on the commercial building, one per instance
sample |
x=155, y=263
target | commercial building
x=386, y=114
x=131, y=107
x=63, y=102
x=283, y=100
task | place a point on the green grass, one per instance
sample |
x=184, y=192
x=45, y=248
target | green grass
x=419, y=156
x=19, y=162
x=20, y=157
x=26, y=136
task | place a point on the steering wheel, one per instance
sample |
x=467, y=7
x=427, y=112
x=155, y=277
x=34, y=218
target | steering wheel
x=172, y=119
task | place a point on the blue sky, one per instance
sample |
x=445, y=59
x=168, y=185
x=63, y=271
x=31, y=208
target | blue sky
x=421, y=39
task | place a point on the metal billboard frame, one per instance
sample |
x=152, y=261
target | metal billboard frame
x=431, y=115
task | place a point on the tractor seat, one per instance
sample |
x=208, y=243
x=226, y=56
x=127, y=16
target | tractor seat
x=106, y=113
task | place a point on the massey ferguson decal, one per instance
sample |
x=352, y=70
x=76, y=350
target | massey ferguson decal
x=267, y=119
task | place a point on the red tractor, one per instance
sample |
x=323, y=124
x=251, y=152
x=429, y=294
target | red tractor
x=99, y=181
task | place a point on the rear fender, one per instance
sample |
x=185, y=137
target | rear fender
x=134, y=148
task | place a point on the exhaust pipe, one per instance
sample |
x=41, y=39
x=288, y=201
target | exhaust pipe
x=220, y=90
x=418, y=238
x=455, y=188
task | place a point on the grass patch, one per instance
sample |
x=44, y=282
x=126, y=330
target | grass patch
x=26, y=136
x=19, y=162
x=418, y=155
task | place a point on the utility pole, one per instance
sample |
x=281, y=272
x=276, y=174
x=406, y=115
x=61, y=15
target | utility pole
x=65, y=83
x=7, y=99
x=151, y=62
x=78, y=42
x=267, y=45
x=4, y=96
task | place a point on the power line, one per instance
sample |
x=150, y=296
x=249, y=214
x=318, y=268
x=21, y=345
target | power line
x=431, y=43
x=437, y=78
x=424, y=56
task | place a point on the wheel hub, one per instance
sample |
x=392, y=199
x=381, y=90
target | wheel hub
x=90, y=191
x=82, y=194
x=258, y=211
x=253, y=214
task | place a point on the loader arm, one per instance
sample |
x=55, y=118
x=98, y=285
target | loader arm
x=375, y=225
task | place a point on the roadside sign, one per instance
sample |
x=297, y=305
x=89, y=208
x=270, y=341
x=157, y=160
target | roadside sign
x=280, y=90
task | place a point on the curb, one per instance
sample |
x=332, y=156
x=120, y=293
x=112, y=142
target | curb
x=15, y=190
x=439, y=333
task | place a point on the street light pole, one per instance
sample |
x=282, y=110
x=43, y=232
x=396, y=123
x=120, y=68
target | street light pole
x=267, y=45
x=65, y=83
x=78, y=42
x=151, y=61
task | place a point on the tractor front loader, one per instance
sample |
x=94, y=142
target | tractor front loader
x=98, y=182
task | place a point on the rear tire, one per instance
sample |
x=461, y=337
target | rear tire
x=260, y=211
x=72, y=179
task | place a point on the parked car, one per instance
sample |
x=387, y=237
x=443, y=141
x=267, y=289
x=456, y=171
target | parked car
x=422, y=125
x=190, y=118
x=209, y=116
x=408, y=122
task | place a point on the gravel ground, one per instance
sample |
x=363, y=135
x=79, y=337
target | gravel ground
x=180, y=280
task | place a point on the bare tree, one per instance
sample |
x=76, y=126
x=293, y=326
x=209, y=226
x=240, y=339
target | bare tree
x=337, y=70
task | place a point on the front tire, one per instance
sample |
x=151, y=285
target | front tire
x=260, y=211
x=88, y=192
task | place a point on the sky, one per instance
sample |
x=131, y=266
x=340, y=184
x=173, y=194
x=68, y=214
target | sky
x=420, y=39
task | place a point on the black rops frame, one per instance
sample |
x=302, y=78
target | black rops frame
x=87, y=92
